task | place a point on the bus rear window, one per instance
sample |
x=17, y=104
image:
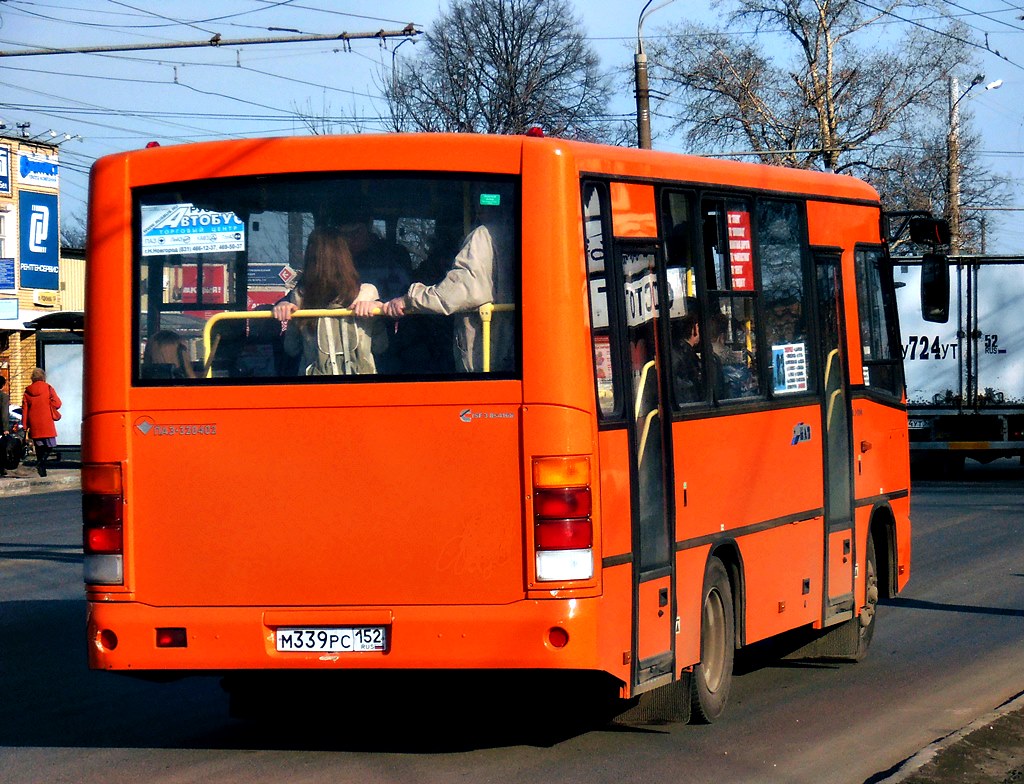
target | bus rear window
x=329, y=278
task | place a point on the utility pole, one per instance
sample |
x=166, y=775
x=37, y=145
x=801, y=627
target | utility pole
x=643, y=92
x=953, y=164
x=953, y=156
x=643, y=99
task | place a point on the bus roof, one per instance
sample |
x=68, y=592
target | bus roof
x=484, y=153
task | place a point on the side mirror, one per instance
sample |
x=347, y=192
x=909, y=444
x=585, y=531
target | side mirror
x=935, y=288
x=929, y=231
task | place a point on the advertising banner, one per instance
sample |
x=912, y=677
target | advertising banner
x=184, y=228
x=40, y=242
x=37, y=170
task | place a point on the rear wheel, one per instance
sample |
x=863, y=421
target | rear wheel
x=712, y=677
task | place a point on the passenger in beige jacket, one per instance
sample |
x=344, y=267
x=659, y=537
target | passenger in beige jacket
x=481, y=273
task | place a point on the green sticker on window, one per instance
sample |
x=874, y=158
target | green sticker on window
x=490, y=199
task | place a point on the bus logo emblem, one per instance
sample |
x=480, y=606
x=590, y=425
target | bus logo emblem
x=801, y=432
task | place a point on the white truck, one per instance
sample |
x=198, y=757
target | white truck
x=965, y=377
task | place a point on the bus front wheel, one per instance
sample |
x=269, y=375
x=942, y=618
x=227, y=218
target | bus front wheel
x=712, y=677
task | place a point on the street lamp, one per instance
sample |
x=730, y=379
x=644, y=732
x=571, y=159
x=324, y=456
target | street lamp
x=953, y=160
x=643, y=93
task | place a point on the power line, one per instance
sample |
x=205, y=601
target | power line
x=943, y=33
x=408, y=32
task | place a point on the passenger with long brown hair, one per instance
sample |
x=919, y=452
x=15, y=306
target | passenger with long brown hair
x=332, y=345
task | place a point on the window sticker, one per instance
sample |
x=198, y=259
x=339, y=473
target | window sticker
x=789, y=367
x=184, y=228
x=740, y=259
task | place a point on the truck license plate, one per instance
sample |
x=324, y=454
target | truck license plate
x=332, y=639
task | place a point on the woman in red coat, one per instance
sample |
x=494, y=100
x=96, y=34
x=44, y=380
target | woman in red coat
x=38, y=411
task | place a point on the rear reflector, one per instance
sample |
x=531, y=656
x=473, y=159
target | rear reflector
x=172, y=637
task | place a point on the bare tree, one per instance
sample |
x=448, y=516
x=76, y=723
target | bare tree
x=843, y=88
x=502, y=66
x=323, y=121
x=73, y=230
x=829, y=87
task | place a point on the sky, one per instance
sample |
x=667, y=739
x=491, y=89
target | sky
x=99, y=103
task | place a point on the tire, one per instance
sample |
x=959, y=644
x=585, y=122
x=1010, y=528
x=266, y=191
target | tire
x=866, y=620
x=712, y=677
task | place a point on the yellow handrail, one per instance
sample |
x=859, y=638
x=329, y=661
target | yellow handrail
x=210, y=343
x=486, y=311
x=210, y=347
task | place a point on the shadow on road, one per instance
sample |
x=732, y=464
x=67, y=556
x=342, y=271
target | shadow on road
x=917, y=604
x=52, y=699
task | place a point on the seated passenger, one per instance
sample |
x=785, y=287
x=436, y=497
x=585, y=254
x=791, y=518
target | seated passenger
x=166, y=357
x=332, y=345
x=730, y=376
x=687, y=371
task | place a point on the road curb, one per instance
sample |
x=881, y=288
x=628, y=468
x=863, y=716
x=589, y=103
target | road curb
x=56, y=482
x=914, y=764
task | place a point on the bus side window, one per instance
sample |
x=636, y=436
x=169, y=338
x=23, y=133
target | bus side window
x=781, y=253
x=880, y=348
x=731, y=332
x=596, y=248
x=688, y=376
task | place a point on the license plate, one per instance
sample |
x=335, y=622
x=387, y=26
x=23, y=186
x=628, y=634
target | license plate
x=918, y=424
x=333, y=639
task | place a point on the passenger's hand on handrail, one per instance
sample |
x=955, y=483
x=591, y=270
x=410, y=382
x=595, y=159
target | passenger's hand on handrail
x=395, y=308
x=364, y=308
x=283, y=310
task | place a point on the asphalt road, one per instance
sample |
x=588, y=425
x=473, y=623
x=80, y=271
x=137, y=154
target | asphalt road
x=946, y=652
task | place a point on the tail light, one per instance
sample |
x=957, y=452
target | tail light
x=103, y=523
x=563, y=531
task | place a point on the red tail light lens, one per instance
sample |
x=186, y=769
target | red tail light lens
x=562, y=502
x=563, y=534
x=103, y=540
x=101, y=510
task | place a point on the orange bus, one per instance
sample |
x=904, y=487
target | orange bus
x=679, y=430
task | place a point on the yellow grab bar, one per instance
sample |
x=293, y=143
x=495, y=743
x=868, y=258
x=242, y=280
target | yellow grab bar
x=210, y=345
x=486, y=311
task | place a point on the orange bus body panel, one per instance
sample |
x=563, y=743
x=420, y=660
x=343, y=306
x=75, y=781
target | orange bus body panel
x=410, y=505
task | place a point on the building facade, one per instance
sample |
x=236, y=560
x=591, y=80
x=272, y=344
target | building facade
x=36, y=279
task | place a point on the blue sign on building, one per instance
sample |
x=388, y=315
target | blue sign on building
x=40, y=241
x=6, y=274
x=5, y=169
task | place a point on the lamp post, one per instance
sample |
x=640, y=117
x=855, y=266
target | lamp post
x=643, y=93
x=953, y=159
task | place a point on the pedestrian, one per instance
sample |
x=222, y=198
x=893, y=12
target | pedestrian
x=40, y=409
x=5, y=424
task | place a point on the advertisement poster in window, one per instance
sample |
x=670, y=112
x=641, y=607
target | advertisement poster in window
x=740, y=259
x=789, y=368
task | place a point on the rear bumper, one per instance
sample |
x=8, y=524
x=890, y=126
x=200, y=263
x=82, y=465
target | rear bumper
x=224, y=639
